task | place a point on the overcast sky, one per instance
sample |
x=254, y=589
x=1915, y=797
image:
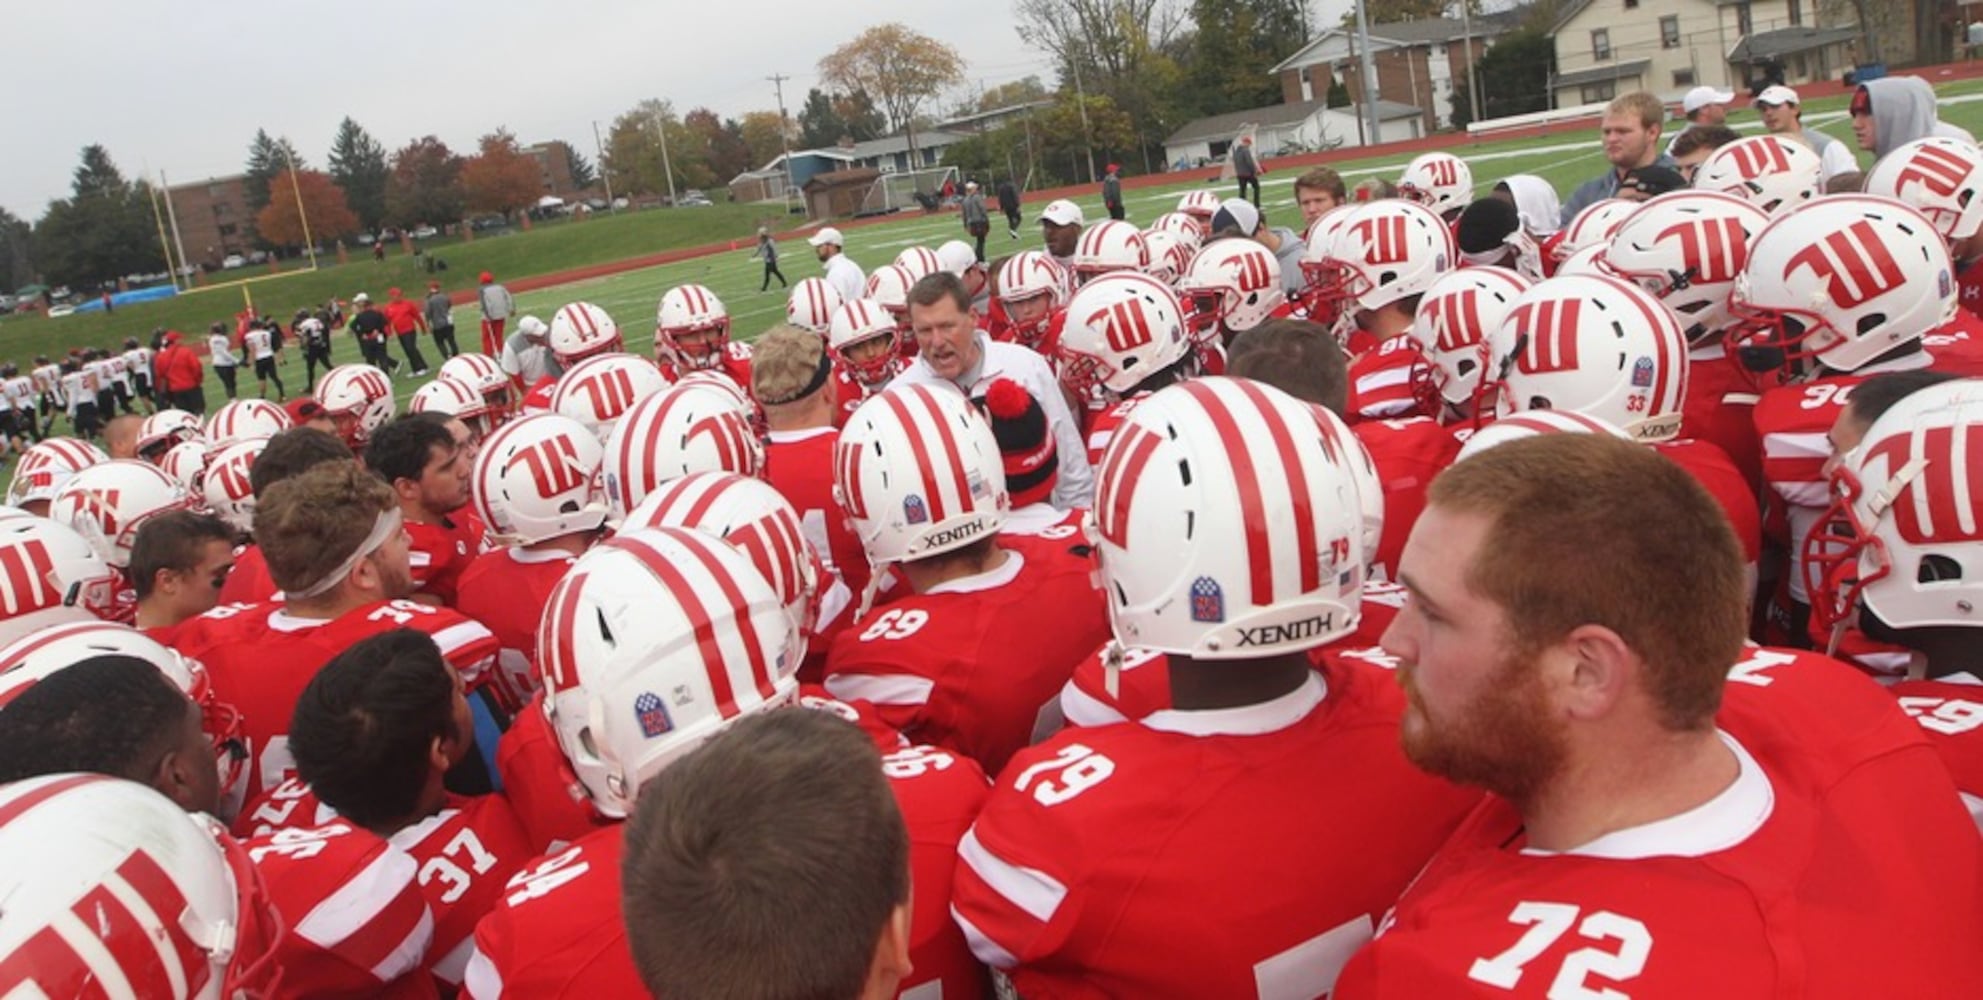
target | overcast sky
x=182, y=86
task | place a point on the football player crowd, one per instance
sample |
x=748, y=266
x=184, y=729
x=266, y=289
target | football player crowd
x=1196, y=610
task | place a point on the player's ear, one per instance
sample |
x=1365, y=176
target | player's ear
x=1600, y=667
x=891, y=964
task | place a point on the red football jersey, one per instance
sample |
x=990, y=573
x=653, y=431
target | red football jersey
x=848, y=395
x=546, y=796
x=537, y=398
x=1720, y=407
x=249, y=581
x=507, y=591
x=1792, y=422
x=969, y=664
x=1950, y=711
x=356, y=921
x=1957, y=346
x=1407, y=455
x=1969, y=286
x=736, y=364
x=467, y=853
x=1711, y=467
x=441, y=551
x=1840, y=827
x=1381, y=382
x=939, y=794
x=261, y=657
x=1102, y=427
x=1168, y=857
x=799, y=465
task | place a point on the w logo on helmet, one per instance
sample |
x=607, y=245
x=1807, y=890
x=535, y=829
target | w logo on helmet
x=1383, y=239
x=372, y=384
x=610, y=392
x=99, y=506
x=1934, y=168
x=138, y=903
x=233, y=480
x=1936, y=508
x=1548, y=336
x=1124, y=324
x=1444, y=173
x=28, y=571
x=1758, y=159
x=554, y=466
x=1713, y=250
x=731, y=436
x=1252, y=275
x=1853, y=263
x=1455, y=319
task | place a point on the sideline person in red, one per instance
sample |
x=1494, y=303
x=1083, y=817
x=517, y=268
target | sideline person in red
x=181, y=373
x=406, y=319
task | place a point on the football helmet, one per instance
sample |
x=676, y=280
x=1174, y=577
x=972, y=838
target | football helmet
x=1229, y=523
x=1601, y=347
x=245, y=418
x=1686, y=248
x=1441, y=182
x=957, y=257
x=482, y=373
x=358, y=399
x=107, y=503
x=1027, y=275
x=28, y=660
x=1451, y=329
x=160, y=431
x=745, y=406
x=538, y=477
x=46, y=565
x=169, y=904
x=919, y=473
x=226, y=487
x=1183, y=226
x=1169, y=256
x=186, y=463
x=1589, y=260
x=1941, y=178
x=755, y=519
x=1592, y=226
x=1121, y=328
x=1389, y=250
x=1108, y=246
x=889, y=288
x=1321, y=294
x=1233, y=285
x=1773, y=173
x=654, y=642
x=1521, y=425
x=455, y=398
x=858, y=322
x=580, y=330
x=600, y=390
x=1901, y=536
x=46, y=465
x=691, y=427
x=919, y=262
x=1199, y=206
x=1840, y=281
x=688, y=310
x=812, y=304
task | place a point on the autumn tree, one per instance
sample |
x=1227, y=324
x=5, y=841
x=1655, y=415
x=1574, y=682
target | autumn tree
x=102, y=231
x=1126, y=50
x=633, y=150
x=1235, y=48
x=501, y=177
x=901, y=69
x=358, y=166
x=425, y=185
x=765, y=135
x=1021, y=91
x=324, y=208
x=267, y=158
x=723, y=152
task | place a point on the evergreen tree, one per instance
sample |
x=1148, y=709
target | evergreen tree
x=358, y=165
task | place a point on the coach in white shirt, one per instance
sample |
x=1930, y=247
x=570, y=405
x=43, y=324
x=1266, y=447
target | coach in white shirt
x=951, y=349
x=843, y=274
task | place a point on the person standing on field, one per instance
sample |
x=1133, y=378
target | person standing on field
x=1112, y=192
x=406, y=319
x=440, y=320
x=976, y=221
x=497, y=307
x=1246, y=168
x=767, y=251
x=1008, y=202
x=221, y=348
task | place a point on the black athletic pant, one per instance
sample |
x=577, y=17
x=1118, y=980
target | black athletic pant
x=226, y=373
x=409, y=344
x=1254, y=183
x=444, y=344
x=771, y=269
x=312, y=357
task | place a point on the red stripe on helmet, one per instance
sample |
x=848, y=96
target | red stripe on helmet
x=1246, y=477
x=1307, y=546
x=701, y=617
x=26, y=803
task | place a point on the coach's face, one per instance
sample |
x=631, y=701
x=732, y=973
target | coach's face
x=1627, y=140
x=946, y=337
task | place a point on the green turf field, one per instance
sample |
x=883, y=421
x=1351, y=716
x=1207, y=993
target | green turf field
x=631, y=297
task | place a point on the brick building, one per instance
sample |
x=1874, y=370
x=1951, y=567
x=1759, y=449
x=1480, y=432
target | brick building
x=554, y=160
x=214, y=220
x=1417, y=63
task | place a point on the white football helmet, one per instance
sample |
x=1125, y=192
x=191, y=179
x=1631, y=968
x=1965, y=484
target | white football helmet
x=1229, y=523
x=226, y=487
x=811, y=305
x=455, y=398
x=538, y=477
x=1686, y=248
x=919, y=473
x=1589, y=260
x=688, y=428
x=1389, y=250
x=1840, y=281
x=245, y=418
x=160, y=431
x=687, y=310
x=1028, y=275
x=755, y=519
x=580, y=330
x=28, y=660
x=1199, y=206
x=1169, y=256
x=358, y=399
x=1362, y=470
x=600, y=390
x=1601, y=347
x=186, y=463
x=1322, y=280
x=1121, y=329
x=1451, y=329
x=957, y=257
x=1592, y=226
x=168, y=904
x=889, y=288
x=1941, y=178
x=654, y=642
x=1441, y=182
x=1233, y=285
x=1184, y=227
x=745, y=406
x=858, y=322
x=1516, y=426
x=107, y=503
x=919, y=262
x=487, y=377
x=46, y=565
x=1107, y=246
x=46, y=465
x=1901, y=536
x=1773, y=173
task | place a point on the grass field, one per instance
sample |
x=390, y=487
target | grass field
x=630, y=297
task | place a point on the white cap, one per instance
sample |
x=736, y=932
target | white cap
x=1777, y=94
x=1237, y=213
x=1701, y=97
x=1063, y=213
x=825, y=236
x=361, y=297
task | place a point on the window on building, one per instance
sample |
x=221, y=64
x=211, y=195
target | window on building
x=1683, y=77
x=1601, y=43
x=1598, y=93
x=1796, y=12
x=1631, y=4
x=228, y=230
x=1669, y=31
x=1745, y=23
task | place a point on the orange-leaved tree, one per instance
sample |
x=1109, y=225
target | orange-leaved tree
x=323, y=204
x=501, y=178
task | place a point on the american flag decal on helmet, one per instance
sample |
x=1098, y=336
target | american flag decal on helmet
x=1208, y=601
x=652, y=714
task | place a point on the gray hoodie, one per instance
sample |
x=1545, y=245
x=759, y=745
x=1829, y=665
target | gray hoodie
x=1903, y=111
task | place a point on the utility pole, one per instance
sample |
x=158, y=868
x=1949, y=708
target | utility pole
x=1081, y=96
x=784, y=135
x=661, y=128
x=1369, y=73
x=604, y=174
x=1473, y=79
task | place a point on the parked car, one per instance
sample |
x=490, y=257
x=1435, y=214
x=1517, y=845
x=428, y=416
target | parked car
x=62, y=310
x=424, y=232
x=694, y=199
x=232, y=261
x=620, y=203
x=366, y=239
x=258, y=257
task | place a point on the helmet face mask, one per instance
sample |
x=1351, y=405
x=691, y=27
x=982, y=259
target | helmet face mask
x=692, y=327
x=865, y=341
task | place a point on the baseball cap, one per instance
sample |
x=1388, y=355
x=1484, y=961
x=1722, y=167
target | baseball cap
x=392, y=293
x=826, y=236
x=487, y=277
x=1063, y=213
x=1652, y=180
x=1236, y=213
x=303, y=409
x=1701, y=97
x=361, y=297
x=433, y=286
x=172, y=336
x=1775, y=94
